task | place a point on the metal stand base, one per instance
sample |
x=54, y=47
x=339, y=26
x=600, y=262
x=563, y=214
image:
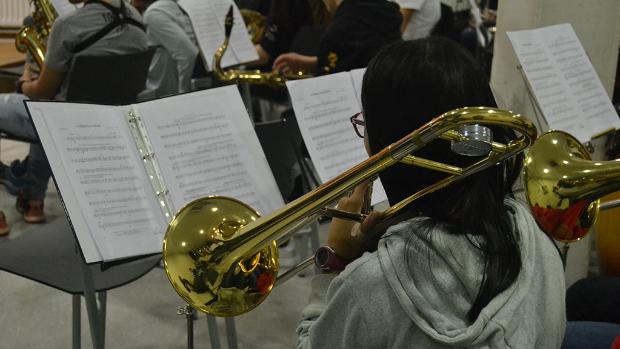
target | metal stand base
x=190, y=316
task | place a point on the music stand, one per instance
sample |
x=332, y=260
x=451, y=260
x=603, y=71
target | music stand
x=51, y=255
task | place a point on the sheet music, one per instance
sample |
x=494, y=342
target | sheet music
x=357, y=76
x=570, y=94
x=205, y=144
x=101, y=179
x=63, y=7
x=323, y=106
x=207, y=17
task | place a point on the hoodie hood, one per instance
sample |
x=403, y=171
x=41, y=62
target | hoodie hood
x=435, y=277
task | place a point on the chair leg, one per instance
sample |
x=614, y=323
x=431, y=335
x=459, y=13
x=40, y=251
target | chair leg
x=77, y=321
x=231, y=333
x=214, y=334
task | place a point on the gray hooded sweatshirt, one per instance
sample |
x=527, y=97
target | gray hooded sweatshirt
x=416, y=290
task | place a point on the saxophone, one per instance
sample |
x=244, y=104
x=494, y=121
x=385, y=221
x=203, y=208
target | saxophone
x=272, y=79
x=33, y=37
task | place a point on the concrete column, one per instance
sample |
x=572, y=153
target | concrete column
x=597, y=26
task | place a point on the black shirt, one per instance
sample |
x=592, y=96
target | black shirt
x=283, y=24
x=359, y=29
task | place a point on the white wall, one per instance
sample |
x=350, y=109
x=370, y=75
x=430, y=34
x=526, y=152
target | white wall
x=597, y=24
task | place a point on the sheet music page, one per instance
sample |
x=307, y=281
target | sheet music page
x=207, y=17
x=63, y=7
x=323, y=107
x=205, y=144
x=101, y=179
x=566, y=86
x=357, y=76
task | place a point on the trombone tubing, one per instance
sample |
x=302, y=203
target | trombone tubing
x=258, y=234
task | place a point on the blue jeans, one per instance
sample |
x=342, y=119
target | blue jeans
x=590, y=334
x=14, y=120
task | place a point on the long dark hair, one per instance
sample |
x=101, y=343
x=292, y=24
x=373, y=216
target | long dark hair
x=405, y=86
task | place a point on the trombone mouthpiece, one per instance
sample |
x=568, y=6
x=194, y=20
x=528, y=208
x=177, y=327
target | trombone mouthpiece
x=475, y=141
x=228, y=22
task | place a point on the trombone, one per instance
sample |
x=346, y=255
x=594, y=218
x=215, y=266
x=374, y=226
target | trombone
x=563, y=185
x=222, y=258
x=273, y=79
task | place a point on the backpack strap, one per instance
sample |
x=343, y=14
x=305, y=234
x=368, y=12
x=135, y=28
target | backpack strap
x=120, y=18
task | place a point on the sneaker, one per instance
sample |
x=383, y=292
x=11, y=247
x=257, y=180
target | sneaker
x=4, y=227
x=12, y=177
x=32, y=210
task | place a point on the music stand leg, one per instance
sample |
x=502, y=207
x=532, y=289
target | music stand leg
x=92, y=308
x=103, y=302
x=231, y=333
x=564, y=254
x=189, y=313
x=77, y=322
x=213, y=332
x=246, y=96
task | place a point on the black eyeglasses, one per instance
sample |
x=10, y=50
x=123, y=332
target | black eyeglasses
x=358, y=123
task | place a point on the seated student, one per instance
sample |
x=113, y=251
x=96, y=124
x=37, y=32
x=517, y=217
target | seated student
x=285, y=19
x=471, y=269
x=419, y=17
x=170, y=30
x=100, y=27
x=357, y=31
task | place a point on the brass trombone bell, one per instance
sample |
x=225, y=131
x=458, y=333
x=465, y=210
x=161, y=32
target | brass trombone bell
x=563, y=185
x=222, y=258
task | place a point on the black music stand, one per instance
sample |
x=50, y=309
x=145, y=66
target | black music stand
x=50, y=255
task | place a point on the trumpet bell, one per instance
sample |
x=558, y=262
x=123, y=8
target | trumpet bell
x=204, y=230
x=562, y=185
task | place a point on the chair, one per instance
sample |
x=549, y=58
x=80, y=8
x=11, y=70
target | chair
x=113, y=80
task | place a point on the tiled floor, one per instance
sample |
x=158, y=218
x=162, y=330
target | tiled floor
x=141, y=314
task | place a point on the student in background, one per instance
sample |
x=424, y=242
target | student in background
x=169, y=30
x=286, y=18
x=419, y=17
x=357, y=31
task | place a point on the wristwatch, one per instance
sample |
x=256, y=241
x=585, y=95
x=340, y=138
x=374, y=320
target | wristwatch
x=326, y=259
x=18, y=86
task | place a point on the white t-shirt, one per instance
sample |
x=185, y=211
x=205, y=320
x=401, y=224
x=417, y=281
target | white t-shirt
x=427, y=14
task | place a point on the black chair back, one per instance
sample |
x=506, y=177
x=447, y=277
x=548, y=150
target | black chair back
x=112, y=80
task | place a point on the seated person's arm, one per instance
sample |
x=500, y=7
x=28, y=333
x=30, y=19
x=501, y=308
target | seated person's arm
x=163, y=31
x=290, y=63
x=406, y=13
x=46, y=86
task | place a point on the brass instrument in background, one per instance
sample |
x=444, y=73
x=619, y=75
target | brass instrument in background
x=272, y=79
x=32, y=37
x=222, y=258
x=256, y=24
x=563, y=185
